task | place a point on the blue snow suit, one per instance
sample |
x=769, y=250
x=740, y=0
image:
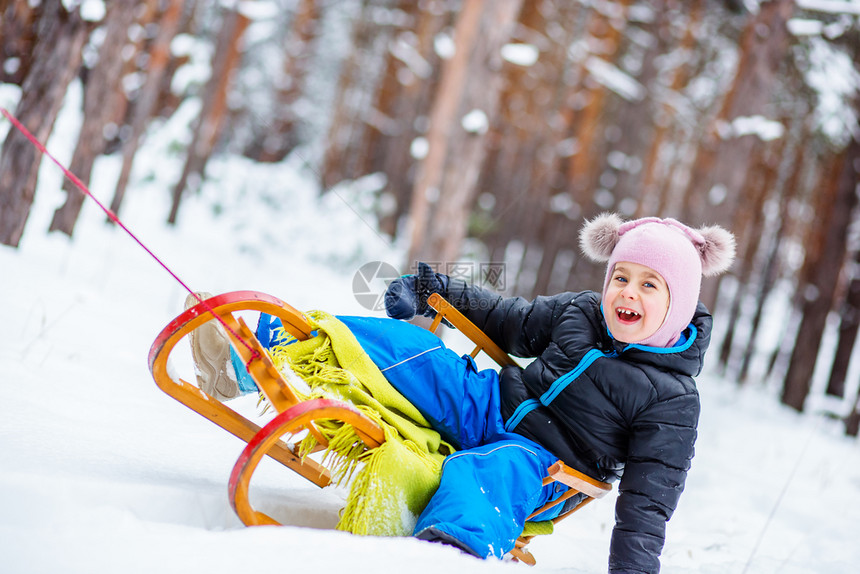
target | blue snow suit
x=608, y=409
x=472, y=508
x=482, y=517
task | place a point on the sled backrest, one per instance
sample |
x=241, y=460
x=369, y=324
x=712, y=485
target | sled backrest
x=444, y=310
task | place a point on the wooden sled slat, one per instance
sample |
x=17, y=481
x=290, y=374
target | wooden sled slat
x=460, y=322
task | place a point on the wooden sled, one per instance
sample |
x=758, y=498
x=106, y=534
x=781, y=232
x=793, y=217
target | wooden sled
x=297, y=417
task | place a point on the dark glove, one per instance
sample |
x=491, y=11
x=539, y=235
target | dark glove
x=407, y=296
x=401, y=302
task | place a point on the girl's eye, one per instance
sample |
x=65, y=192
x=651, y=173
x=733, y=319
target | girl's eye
x=650, y=285
x=621, y=279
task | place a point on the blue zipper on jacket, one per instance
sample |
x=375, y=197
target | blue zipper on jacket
x=586, y=361
x=555, y=389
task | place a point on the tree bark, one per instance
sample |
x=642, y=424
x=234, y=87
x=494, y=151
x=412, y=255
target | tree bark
x=213, y=111
x=470, y=83
x=343, y=130
x=144, y=105
x=18, y=24
x=761, y=182
x=532, y=212
x=402, y=103
x=56, y=60
x=852, y=422
x=382, y=124
x=850, y=321
x=768, y=275
x=103, y=103
x=590, y=121
x=850, y=310
x=723, y=162
x=279, y=136
x=837, y=201
x=652, y=199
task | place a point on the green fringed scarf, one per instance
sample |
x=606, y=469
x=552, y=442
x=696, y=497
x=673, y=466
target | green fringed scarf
x=394, y=482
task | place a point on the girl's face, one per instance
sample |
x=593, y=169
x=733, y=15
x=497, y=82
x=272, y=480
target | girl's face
x=635, y=302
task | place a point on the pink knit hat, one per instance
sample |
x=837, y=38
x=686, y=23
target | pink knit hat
x=680, y=255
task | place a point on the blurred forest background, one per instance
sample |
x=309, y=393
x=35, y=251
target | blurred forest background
x=499, y=125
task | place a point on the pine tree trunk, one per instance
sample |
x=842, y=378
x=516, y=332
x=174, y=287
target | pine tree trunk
x=144, y=106
x=56, y=60
x=442, y=119
x=529, y=165
x=405, y=97
x=769, y=273
x=280, y=136
x=18, y=25
x=852, y=422
x=590, y=122
x=213, y=111
x=723, y=163
x=342, y=132
x=718, y=172
x=103, y=103
x=470, y=83
x=761, y=181
x=837, y=201
x=850, y=310
x=382, y=120
x=652, y=199
x=850, y=321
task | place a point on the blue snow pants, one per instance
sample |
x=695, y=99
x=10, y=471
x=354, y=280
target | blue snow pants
x=494, y=480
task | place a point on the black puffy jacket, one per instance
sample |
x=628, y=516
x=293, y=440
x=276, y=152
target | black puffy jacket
x=608, y=409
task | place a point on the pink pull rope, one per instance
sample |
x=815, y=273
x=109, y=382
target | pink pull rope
x=113, y=217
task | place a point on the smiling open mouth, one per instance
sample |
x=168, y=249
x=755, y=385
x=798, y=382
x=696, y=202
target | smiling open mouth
x=627, y=316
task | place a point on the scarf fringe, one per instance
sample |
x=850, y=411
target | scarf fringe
x=389, y=485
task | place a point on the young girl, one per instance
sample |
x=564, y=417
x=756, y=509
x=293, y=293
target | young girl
x=610, y=392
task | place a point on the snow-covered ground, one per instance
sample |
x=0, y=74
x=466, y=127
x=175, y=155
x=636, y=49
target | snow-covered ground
x=100, y=472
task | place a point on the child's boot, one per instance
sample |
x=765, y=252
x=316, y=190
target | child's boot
x=210, y=349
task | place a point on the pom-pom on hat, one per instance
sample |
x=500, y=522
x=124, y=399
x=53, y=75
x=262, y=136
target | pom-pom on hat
x=680, y=255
